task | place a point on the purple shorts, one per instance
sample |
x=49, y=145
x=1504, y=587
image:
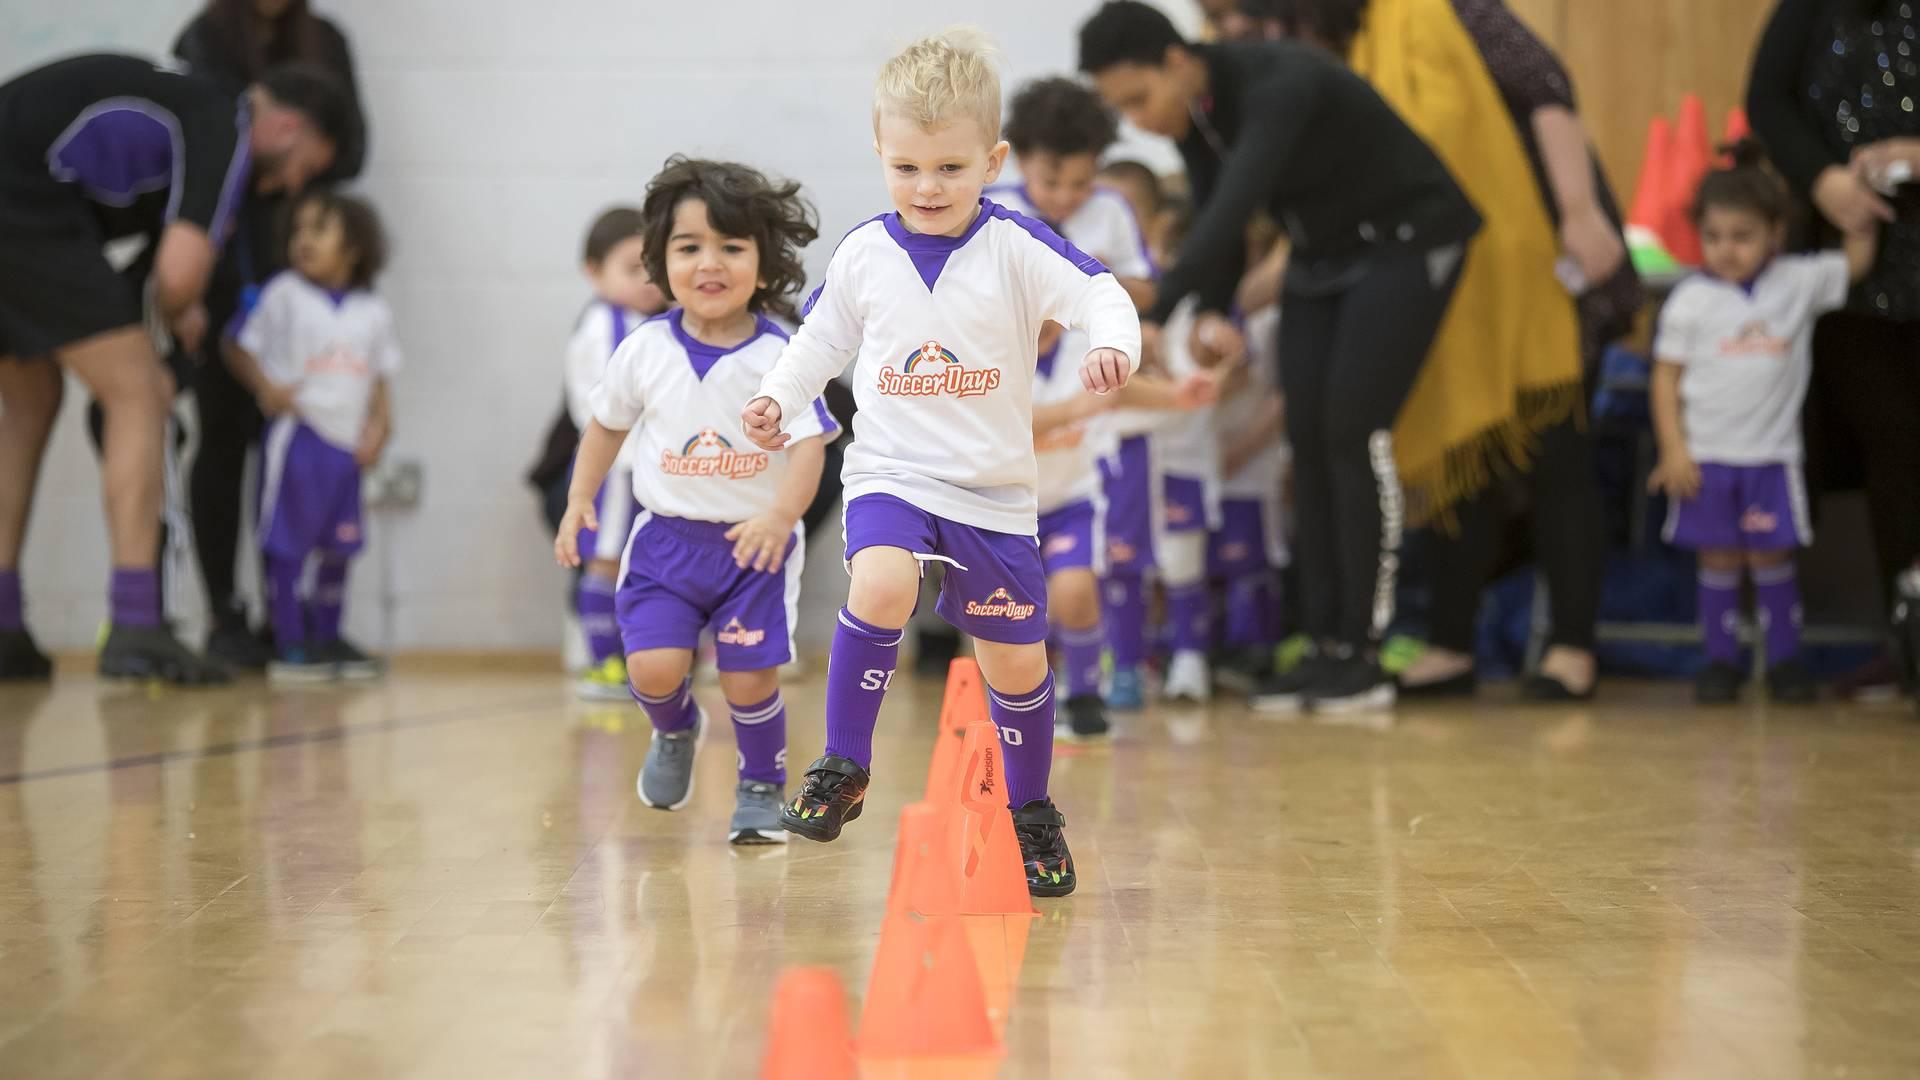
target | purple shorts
x=1183, y=503
x=680, y=579
x=309, y=494
x=1240, y=546
x=1747, y=507
x=1132, y=503
x=995, y=586
x=1070, y=538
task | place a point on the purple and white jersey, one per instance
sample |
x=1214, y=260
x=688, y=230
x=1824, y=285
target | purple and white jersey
x=1104, y=227
x=681, y=400
x=335, y=346
x=1067, y=457
x=944, y=333
x=601, y=329
x=1262, y=475
x=1184, y=442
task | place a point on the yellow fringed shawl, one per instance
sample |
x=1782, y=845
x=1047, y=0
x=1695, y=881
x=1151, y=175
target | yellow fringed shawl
x=1506, y=363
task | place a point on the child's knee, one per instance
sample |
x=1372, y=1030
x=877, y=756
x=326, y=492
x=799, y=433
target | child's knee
x=1073, y=599
x=604, y=569
x=657, y=672
x=1724, y=560
x=1767, y=560
x=885, y=588
x=1012, y=669
x=742, y=688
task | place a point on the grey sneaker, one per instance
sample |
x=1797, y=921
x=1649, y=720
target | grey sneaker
x=666, y=779
x=756, y=814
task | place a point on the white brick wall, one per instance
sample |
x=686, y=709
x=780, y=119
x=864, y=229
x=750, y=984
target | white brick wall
x=499, y=128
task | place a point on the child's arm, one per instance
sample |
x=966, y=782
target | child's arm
x=1075, y=290
x=761, y=541
x=1676, y=474
x=1168, y=394
x=599, y=445
x=256, y=333
x=1861, y=247
x=1255, y=438
x=1060, y=414
x=819, y=350
x=373, y=438
x=273, y=398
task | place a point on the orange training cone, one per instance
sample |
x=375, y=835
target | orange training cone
x=1692, y=159
x=993, y=877
x=1649, y=197
x=965, y=701
x=925, y=873
x=808, y=1038
x=924, y=998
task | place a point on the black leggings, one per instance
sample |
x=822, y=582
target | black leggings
x=1563, y=497
x=1866, y=397
x=1347, y=363
x=229, y=425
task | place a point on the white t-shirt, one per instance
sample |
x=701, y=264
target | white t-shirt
x=944, y=332
x=1261, y=476
x=1066, y=456
x=600, y=329
x=681, y=400
x=335, y=346
x=1748, y=354
x=1185, y=441
x=1104, y=227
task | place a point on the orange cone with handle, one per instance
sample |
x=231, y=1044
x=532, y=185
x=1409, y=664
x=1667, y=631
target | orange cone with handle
x=924, y=998
x=1692, y=159
x=993, y=877
x=1650, y=195
x=965, y=701
x=808, y=1038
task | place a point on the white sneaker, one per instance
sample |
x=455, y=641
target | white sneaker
x=1188, y=678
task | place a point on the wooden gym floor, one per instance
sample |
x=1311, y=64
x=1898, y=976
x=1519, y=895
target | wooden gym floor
x=449, y=876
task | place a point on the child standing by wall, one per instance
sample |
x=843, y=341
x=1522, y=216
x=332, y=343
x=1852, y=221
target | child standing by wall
x=1734, y=353
x=623, y=298
x=940, y=305
x=719, y=543
x=318, y=350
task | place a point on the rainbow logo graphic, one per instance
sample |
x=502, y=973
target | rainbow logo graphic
x=929, y=352
x=706, y=440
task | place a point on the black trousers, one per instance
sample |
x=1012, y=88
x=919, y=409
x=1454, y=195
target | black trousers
x=1562, y=495
x=1864, y=427
x=1348, y=358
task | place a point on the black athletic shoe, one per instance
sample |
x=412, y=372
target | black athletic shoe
x=1242, y=670
x=1790, y=683
x=21, y=660
x=1086, y=718
x=1287, y=691
x=1717, y=684
x=234, y=644
x=1352, y=684
x=831, y=795
x=348, y=662
x=1043, y=848
x=152, y=652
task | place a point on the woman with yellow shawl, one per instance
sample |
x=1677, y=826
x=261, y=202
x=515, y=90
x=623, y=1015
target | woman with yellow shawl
x=1379, y=231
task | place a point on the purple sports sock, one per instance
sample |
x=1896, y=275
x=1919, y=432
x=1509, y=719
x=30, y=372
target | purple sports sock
x=1124, y=600
x=1719, y=612
x=674, y=712
x=760, y=731
x=1253, y=612
x=596, y=607
x=859, y=669
x=134, y=597
x=1026, y=738
x=328, y=600
x=283, y=601
x=1776, y=596
x=1188, y=612
x=1080, y=653
x=12, y=608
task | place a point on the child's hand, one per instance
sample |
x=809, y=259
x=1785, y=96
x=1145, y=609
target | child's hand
x=277, y=400
x=1676, y=475
x=761, y=421
x=1217, y=341
x=760, y=543
x=566, y=546
x=1196, y=390
x=1104, y=371
x=190, y=329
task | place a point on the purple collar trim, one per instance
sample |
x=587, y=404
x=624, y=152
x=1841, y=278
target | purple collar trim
x=928, y=252
x=702, y=355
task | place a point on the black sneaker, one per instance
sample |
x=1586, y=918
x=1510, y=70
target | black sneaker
x=1352, y=684
x=1790, y=683
x=831, y=795
x=299, y=664
x=1717, y=684
x=1287, y=691
x=21, y=660
x=152, y=652
x=1043, y=848
x=234, y=644
x=348, y=662
x=1086, y=718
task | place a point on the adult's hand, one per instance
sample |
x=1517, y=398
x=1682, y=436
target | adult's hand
x=1845, y=199
x=1594, y=243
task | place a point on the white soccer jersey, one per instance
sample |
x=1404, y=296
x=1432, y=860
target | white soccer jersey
x=1066, y=457
x=1262, y=475
x=335, y=346
x=1748, y=354
x=600, y=330
x=681, y=400
x=1104, y=227
x=944, y=332
x=1184, y=441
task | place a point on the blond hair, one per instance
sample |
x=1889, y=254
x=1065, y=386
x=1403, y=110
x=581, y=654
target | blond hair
x=941, y=79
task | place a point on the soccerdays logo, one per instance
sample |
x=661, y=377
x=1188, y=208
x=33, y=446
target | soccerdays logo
x=709, y=454
x=1001, y=605
x=734, y=633
x=931, y=370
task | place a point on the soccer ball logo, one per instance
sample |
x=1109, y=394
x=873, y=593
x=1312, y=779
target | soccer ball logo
x=931, y=352
x=708, y=439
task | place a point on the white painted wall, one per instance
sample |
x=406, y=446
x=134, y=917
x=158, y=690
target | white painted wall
x=500, y=127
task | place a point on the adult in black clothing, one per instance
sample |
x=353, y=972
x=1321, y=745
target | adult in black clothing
x=1378, y=231
x=94, y=148
x=1835, y=96
x=232, y=42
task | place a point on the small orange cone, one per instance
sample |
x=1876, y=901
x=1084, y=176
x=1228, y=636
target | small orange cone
x=1691, y=161
x=924, y=998
x=808, y=1037
x=993, y=877
x=925, y=873
x=1649, y=196
x=1000, y=949
x=965, y=701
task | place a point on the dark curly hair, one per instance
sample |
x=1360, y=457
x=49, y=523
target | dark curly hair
x=1126, y=32
x=616, y=223
x=741, y=201
x=1747, y=183
x=1332, y=23
x=1059, y=116
x=359, y=225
